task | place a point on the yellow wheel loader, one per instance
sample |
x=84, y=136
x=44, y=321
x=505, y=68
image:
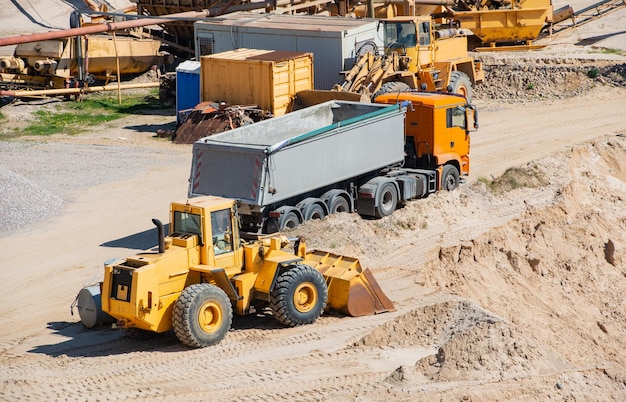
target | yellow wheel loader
x=203, y=272
x=417, y=55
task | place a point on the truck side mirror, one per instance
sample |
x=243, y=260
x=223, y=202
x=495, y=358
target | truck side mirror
x=471, y=114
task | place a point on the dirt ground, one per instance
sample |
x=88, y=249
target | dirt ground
x=501, y=294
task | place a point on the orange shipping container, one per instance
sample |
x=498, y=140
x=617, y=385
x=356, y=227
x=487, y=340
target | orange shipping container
x=266, y=78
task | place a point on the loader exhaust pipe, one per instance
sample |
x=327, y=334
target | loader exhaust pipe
x=160, y=234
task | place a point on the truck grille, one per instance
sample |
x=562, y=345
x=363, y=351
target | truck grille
x=121, y=284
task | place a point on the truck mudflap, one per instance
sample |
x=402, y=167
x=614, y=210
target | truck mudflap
x=351, y=289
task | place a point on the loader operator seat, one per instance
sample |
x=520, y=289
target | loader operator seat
x=221, y=231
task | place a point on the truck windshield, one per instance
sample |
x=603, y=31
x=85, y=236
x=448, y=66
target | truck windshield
x=186, y=222
x=400, y=33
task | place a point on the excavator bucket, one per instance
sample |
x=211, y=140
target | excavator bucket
x=314, y=97
x=351, y=289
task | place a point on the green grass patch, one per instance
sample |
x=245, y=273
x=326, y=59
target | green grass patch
x=75, y=117
x=528, y=177
x=604, y=50
x=47, y=123
x=612, y=51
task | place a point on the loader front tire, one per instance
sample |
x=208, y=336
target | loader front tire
x=460, y=84
x=299, y=296
x=202, y=315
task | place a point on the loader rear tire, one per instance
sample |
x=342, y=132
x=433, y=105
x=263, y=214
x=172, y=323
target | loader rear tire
x=449, y=178
x=390, y=88
x=299, y=296
x=202, y=315
x=460, y=84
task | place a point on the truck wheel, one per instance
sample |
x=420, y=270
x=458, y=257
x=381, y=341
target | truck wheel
x=449, y=177
x=460, y=84
x=289, y=221
x=387, y=200
x=338, y=205
x=391, y=87
x=299, y=296
x=271, y=225
x=202, y=315
x=315, y=211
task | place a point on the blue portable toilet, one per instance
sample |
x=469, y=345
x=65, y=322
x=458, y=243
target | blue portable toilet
x=187, y=86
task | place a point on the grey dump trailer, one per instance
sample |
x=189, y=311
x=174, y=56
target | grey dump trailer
x=337, y=156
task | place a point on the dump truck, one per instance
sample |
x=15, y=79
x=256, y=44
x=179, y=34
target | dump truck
x=203, y=272
x=417, y=55
x=337, y=156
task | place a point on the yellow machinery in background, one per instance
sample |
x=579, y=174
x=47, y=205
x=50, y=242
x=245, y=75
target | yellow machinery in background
x=500, y=22
x=201, y=273
x=417, y=55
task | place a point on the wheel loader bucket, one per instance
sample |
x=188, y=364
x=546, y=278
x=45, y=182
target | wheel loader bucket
x=351, y=289
x=314, y=97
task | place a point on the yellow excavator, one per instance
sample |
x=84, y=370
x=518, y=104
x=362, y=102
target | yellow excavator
x=417, y=55
x=203, y=271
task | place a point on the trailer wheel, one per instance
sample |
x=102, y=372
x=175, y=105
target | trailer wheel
x=202, y=315
x=391, y=87
x=271, y=225
x=449, y=177
x=289, y=220
x=338, y=205
x=315, y=211
x=299, y=296
x=460, y=84
x=387, y=200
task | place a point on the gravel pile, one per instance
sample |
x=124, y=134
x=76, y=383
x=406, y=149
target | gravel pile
x=23, y=202
x=37, y=178
x=544, y=79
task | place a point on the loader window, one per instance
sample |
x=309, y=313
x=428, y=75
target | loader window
x=424, y=33
x=455, y=117
x=402, y=33
x=189, y=223
x=221, y=230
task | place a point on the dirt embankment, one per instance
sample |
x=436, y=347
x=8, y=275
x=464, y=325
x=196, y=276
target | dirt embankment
x=538, y=308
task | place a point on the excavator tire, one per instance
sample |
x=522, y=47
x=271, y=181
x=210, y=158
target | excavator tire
x=299, y=296
x=449, y=178
x=460, y=84
x=391, y=87
x=202, y=315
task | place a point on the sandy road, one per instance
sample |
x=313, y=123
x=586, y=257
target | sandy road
x=46, y=354
x=514, y=135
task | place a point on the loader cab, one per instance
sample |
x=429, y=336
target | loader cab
x=410, y=37
x=215, y=222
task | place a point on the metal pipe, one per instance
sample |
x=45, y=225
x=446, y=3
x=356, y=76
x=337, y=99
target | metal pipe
x=419, y=2
x=66, y=91
x=140, y=21
x=106, y=27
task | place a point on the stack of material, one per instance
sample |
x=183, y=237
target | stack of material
x=210, y=118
